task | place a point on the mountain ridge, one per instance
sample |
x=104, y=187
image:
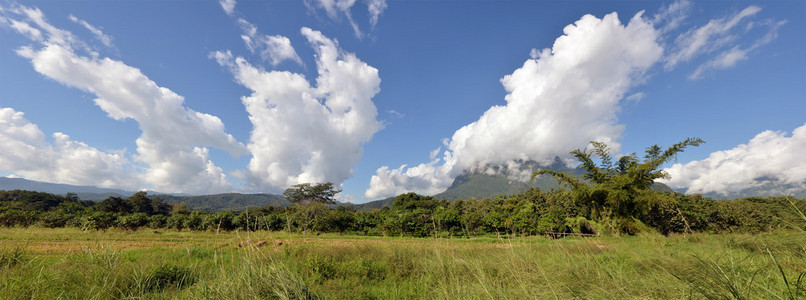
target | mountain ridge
x=213, y=202
x=83, y=192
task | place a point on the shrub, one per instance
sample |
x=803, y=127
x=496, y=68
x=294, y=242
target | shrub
x=133, y=221
x=54, y=219
x=553, y=221
x=100, y=221
x=157, y=221
x=13, y=218
x=176, y=221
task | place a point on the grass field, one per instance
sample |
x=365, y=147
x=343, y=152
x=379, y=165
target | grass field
x=38, y=263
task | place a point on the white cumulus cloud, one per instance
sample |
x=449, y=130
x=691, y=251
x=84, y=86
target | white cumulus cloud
x=28, y=154
x=174, y=138
x=771, y=160
x=562, y=99
x=304, y=132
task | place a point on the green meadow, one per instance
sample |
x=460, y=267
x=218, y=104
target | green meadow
x=68, y=263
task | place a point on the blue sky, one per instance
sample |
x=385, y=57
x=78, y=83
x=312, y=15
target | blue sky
x=253, y=96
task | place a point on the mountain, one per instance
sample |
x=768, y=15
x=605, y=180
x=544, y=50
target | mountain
x=479, y=186
x=482, y=185
x=83, y=192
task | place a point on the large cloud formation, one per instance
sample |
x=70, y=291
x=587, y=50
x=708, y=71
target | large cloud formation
x=174, y=140
x=304, y=133
x=26, y=151
x=771, y=161
x=559, y=100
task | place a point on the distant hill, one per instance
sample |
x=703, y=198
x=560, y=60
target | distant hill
x=377, y=204
x=765, y=190
x=219, y=202
x=83, y=192
x=226, y=202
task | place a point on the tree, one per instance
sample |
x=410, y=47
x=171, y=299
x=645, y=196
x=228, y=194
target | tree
x=307, y=215
x=621, y=189
x=307, y=193
x=72, y=197
x=179, y=209
x=114, y=205
x=141, y=203
x=640, y=175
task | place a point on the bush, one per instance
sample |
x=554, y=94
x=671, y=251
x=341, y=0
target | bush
x=582, y=225
x=553, y=221
x=133, y=221
x=176, y=221
x=194, y=221
x=157, y=221
x=13, y=218
x=218, y=221
x=100, y=221
x=54, y=219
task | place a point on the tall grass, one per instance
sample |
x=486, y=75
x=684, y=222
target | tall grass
x=10, y=258
x=769, y=266
x=270, y=265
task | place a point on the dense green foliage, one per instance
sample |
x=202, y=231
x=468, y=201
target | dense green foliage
x=533, y=212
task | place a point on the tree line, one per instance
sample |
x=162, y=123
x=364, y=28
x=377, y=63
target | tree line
x=532, y=212
x=612, y=198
